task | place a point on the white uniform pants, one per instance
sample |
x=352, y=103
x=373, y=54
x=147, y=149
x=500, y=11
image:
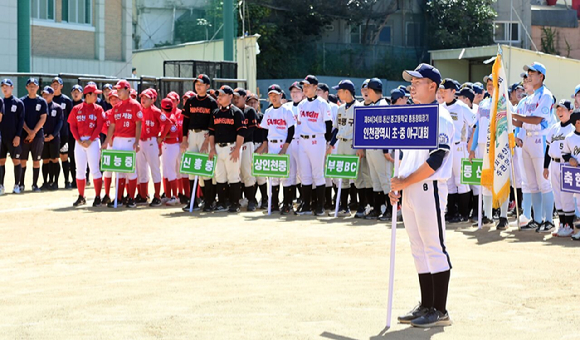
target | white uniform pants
x=274, y=148
x=90, y=155
x=380, y=170
x=311, y=160
x=295, y=158
x=195, y=141
x=454, y=186
x=226, y=171
x=170, y=157
x=563, y=200
x=331, y=181
x=246, y=153
x=345, y=148
x=148, y=160
x=533, y=164
x=124, y=144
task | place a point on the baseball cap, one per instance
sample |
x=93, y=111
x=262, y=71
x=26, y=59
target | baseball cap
x=565, y=104
x=536, y=67
x=467, y=92
x=576, y=90
x=284, y=95
x=310, y=79
x=173, y=95
x=396, y=94
x=449, y=84
x=225, y=89
x=108, y=86
x=48, y=90
x=295, y=85
x=77, y=87
x=332, y=98
x=133, y=93
x=478, y=88
x=423, y=71
x=114, y=93
x=488, y=78
x=404, y=89
x=7, y=81
x=345, y=85
x=575, y=116
x=203, y=78
x=252, y=96
x=274, y=88
x=146, y=93
x=188, y=94
x=91, y=88
x=153, y=92
x=324, y=87
x=240, y=92
x=167, y=104
x=375, y=84
x=122, y=84
x=57, y=79
x=365, y=84
x=516, y=86
x=32, y=81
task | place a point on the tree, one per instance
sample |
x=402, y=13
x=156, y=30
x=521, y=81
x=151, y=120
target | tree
x=459, y=23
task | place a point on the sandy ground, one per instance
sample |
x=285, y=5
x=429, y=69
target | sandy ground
x=148, y=273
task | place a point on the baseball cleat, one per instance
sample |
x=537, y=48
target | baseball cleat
x=575, y=237
x=131, y=203
x=155, y=202
x=503, y=223
x=433, y=318
x=97, y=202
x=251, y=206
x=524, y=220
x=16, y=189
x=2, y=189
x=566, y=231
x=304, y=211
x=67, y=185
x=112, y=204
x=286, y=210
x=533, y=225
x=413, y=314
x=80, y=201
x=172, y=201
x=35, y=188
x=545, y=227
x=373, y=215
x=319, y=212
x=234, y=208
x=106, y=199
x=140, y=200
x=360, y=213
x=220, y=208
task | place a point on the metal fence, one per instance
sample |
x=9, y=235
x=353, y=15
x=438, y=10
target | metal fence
x=192, y=68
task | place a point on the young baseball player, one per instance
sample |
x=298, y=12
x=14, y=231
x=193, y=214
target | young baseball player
x=77, y=98
x=250, y=120
x=86, y=123
x=552, y=161
x=516, y=94
x=571, y=155
x=260, y=139
x=315, y=121
x=368, y=198
x=52, y=128
x=66, y=104
x=33, y=135
x=422, y=177
x=534, y=120
x=124, y=133
x=297, y=97
x=171, y=136
x=280, y=123
x=183, y=182
x=323, y=92
x=576, y=96
x=11, y=130
x=226, y=137
x=107, y=175
x=463, y=118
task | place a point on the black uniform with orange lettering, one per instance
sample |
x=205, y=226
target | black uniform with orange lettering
x=251, y=121
x=226, y=124
x=197, y=112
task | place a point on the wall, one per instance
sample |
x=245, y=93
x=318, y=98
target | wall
x=113, y=29
x=523, y=9
x=571, y=35
x=62, y=43
x=9, y=36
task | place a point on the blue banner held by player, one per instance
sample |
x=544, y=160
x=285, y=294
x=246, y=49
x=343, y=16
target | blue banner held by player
x=570, y=179
x=396, y=127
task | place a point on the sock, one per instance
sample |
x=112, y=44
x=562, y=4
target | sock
x=426, y=285
x=463, y=204
x=186, y=187
x=452, y=205
x=51, y=172
x=440, y=290
x=275, y=197
x=2, y=174
x=157, y=187
x=132, y=187
x=377, y=202
x=66, y=170
x=487, y=207
x=35, y=174
x=561, y=217
x=22, y=175
x=191, y=188
x=166, y=187
x=548, y=206
x=352, y=193
x=475, y=206
x=56, y=172
x=221, y=190
x=306, y=197
x=17, y=173
x=537, y=206
x=120, y=189
x=527, y=205
x=519, y=197
x=107, y=185
x=362, y=199
x=504, y=209
x=235, y=194
x=343, y=199
x=570, y=219
x=98, y=183
x=81, y=186
x=140, y=190
x=174, y=187
x=45, y=172
x=328, y=195
x=264, y=192
x=370, y=197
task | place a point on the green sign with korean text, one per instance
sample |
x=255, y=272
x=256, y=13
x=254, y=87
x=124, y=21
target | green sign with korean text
x=197, y=164
x=341, y=166
x=471, y=171
x=271, y=165
x=118, y=161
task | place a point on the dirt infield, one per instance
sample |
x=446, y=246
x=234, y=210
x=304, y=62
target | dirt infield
x=162, y=274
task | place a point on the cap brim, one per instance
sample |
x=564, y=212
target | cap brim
x=97, y=91
x=274, y=91
x=201, y=80
x=408, y=75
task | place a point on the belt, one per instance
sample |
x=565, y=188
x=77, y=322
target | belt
x=557, y=160
x=308, y=136
x=149, y=139
x=345, y=139
x=225, y=144
x=533, y=133
x=276, y=141
x=457, y=142
x=197, y=130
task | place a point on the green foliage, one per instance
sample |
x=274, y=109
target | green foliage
x=200, y=24
x=548, y=40
x=459, y=23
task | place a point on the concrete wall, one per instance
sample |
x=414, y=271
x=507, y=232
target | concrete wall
x=113, y=27
x=62, y=42
x=523, y=10
x=9, y=36
x=564, y=34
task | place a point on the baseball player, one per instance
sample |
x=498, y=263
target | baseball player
x=250, y=120
x=344, y=125
x=66, y=104
x=77, y=98
x=260, y=138
x=297, y=97
x=463, y=119
x=422, y=177
x=171, y=136
x=33, y=135
x=534, y=120
x=368, y=198
x=571, y=155
x=322, y=92
x=516, y=93
x=552, y=161
x=86, y=122
x=315, y=121
x=11, y=130
x=576, y=96
x=107, y=175
x=105, y=102
x=124, y=133
x=197, y=113
x=52, y=128
x=280, y=123
x=399, y=97
x=183, y=182
x=226, y=137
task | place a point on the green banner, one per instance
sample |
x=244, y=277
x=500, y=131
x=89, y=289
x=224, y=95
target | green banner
x=271, y=165
x=197, y=164
x=471, y=171
x=118, y=161
x=341, y=166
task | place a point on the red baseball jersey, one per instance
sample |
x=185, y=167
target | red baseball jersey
x=153, y=122
x=175, y=132
x=107, y=123
x=86, y=120
x=125, y=116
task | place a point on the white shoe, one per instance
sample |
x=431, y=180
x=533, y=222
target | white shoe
x=524, y=220
x=576, y=237
x=2, y=191
x=172, y=201
x=565, y=232
x=16, y=189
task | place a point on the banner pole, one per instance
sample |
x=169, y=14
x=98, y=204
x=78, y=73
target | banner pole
x=479, y=207
x=116, y=188
x=393, y=245
x=193, y=192
x=338, y=198
x=269, y=196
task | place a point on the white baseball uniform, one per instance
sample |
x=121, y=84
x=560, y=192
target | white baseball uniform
x=380, y=168
x=278, y=121
x=463, y=119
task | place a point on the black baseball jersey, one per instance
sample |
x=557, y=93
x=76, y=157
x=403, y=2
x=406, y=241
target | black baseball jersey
x=34, y=108
x=105, y=105
x=260, y=135
x=250, y=121
x=197, y=112
x=66, y=104
x=13, y=118
x=226, y=124
x=54, y=120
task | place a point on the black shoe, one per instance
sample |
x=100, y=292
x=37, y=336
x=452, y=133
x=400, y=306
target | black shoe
x=97, y=202
x=35, y=188
x=360, y=213
x=207, y=207
x=80, y=201
x=106, y=199
x=234, y=208
x=455, y=219
x=67, y=185
x=45, y=186
x=433, y=318
x=251, y=206
x=140, y=200
x=503, y=223
x=155, y=202
x=485, y=222
x=386, y=216
x=53, y=186
x=545, y=227
x=415, y=313
x=73, y=185
x=533, y=225
x=373, y=215
x=319, y=212
x=285, y=210
x=183, y=199
x=303, y=211
x=112, y=204
x=220, y=208
x=131, y=203
x=275, y=207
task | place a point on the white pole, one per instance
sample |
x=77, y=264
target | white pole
x=393, y=239
x=116, y=189
x=480, y=207
x=338, y=197
x=193, y=192
x=269, y=196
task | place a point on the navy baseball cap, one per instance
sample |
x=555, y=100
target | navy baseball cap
x=449, y=84
x=375, y=84
x=7, y=81
x=345, y=85
x=225, y=89
x=565, y=104
x=467, y=92
x=48, y=90
x=423, y=71
x=57, y=79
x=396, y=94
x=576, y=90
x=310, y=79
x=77, y=87
x=516, y=86
x=365, y=84
x=295, y=85
x=536, y=67
x=575, y=116
x=203, y=78
x=108, y=86
x=274, y=88
x=478, y=88
x=332, y=98
x=32, y=81
x=323, y=87
x=404, y=89
x=238, y=91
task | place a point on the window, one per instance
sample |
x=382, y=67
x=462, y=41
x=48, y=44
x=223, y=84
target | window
x=77, y=11
x=385, y=35
x=501, y=31
x=42, y=9
x=413, y=34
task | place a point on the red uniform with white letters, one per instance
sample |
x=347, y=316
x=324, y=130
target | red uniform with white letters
x=171, y=151
x=148, y=156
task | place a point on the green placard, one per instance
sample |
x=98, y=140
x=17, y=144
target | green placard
x=197, y=164
x=271, y=165
x=118, y=161
x=341, y=166
x=471, y=171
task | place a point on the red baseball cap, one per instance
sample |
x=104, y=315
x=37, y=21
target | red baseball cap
x=92, y=89
x=113, y=94
x=133, y=93
x=167, y=104
x=189, y=94
x=173, y=95
x=153, y=92
x=147, y=93
x=123, y=84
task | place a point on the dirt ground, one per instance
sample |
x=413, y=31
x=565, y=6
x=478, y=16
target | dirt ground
x=150, y=273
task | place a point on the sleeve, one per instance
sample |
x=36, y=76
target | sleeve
x=72, y=121
x=100, y=113
x=436, y=159
x=445, y=136
x=20, y=122
x=475, y=138
x=59, y=120
x=239, y=123
x=252, y=122
x=44, y=107
x=327, y=112
x=186, y=114
x=290, y=135
x=469, y=117
x=333, y=138
x=265, y=119
x=547, y=157
x=137, y=112
x=211, y=126
x=544, y=107
x=566, y=151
